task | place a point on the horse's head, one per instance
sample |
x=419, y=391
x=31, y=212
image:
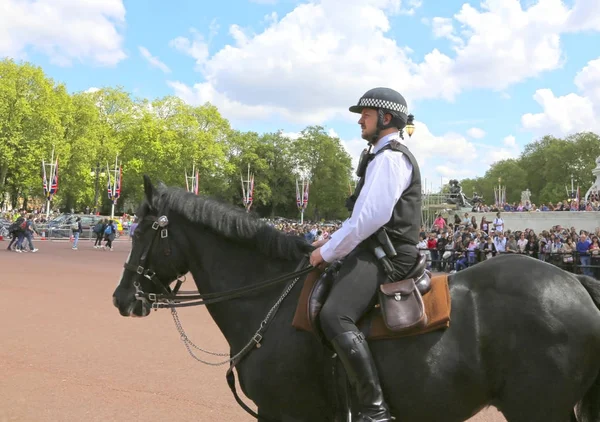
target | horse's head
x=155, y=261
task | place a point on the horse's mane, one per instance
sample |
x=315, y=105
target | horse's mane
x=233, y=223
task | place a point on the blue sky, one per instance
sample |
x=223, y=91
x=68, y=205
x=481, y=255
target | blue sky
x=483, y=79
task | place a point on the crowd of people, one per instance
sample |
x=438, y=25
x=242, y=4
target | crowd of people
x=571, y=204
x=24, y=226
x=450, y=245
x=455, y=246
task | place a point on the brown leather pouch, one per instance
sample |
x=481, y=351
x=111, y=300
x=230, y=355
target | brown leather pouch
x=402, y=305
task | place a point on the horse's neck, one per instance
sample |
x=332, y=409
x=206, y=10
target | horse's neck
x=230, y=266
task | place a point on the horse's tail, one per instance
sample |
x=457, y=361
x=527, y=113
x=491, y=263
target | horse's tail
x=588, y=410
x=592, y=286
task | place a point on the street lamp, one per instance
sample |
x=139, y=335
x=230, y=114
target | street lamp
x=410, y=125
x=97, y=172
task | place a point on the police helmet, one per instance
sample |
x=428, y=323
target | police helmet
x=385, y=100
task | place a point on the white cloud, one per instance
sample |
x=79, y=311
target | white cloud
x=91, y=90
x=443, y=28
x=271, y=18
x=588, y=81
x=63, y=30
x=505, y=43
x=510, y=141
x=321, y=55
x=476, y=133
x=154, y=61
x=195, y=47
x=569, y=113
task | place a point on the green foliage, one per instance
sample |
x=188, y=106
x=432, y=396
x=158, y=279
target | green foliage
x=545, y=168
x=166, y=137
x=162, y=138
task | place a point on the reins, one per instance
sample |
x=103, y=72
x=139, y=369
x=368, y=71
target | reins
x=173, y=298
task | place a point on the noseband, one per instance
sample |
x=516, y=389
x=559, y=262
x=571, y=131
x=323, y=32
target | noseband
x=159, y=234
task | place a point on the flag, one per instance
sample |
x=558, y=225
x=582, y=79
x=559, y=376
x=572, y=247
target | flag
x=108, y=184
x=305, y=196
x=118, y=177
x=54, y=182
x=244, y=196
x=44, y=179
x=251, y=191
x=298, y=198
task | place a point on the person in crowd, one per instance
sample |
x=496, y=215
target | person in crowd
x=77, y=230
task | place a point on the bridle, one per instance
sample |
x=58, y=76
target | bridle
x=173, y=298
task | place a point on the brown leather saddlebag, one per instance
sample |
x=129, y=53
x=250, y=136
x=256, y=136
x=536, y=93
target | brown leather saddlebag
x=402, y=305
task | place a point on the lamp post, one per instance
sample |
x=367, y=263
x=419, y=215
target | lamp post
x=96, y=172
x=410, y=125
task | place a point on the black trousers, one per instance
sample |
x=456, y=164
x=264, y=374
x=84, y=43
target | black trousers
x=354, y=290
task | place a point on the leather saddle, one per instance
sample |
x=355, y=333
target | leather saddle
x=418, y=274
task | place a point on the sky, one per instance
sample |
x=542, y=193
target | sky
x=483, y=79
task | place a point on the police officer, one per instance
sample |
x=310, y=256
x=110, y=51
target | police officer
x=388, y=195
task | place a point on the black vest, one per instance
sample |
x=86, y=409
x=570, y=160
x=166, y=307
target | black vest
x=405, y=224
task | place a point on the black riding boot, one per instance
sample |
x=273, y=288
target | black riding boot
x=353, y=350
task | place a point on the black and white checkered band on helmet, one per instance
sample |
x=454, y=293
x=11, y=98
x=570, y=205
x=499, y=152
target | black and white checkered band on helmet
x=383, y=99
x=378, y=103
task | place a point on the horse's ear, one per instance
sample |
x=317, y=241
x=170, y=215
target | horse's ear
x=148, y=189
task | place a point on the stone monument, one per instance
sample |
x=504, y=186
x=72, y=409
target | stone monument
x=595, y=188
x=526, y=197
x=456, y=195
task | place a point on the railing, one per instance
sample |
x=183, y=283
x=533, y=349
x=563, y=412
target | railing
x=569, y=261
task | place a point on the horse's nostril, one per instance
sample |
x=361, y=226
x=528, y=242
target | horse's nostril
x=115, y=302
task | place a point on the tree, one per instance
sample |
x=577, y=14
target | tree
x=31, y=107
x=325, y=162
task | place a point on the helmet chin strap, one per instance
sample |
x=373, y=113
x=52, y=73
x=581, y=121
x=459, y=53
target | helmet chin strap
x=380, y=126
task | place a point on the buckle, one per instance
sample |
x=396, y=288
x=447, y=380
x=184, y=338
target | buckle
x=140, y=270
x=164, y=233
x=257, y=339
x=152, y=297
x=149, y=274
x=155, y=225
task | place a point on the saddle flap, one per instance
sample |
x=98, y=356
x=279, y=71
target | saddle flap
x=404, y=288
x=419, y=268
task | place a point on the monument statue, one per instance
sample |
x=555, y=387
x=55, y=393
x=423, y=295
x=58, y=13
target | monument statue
x=595, y=188
x=476, y=200
x=456, y=195
x=526, y=197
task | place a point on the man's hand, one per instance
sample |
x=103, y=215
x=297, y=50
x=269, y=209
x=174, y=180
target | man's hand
x=320, y=243
x=316, y=259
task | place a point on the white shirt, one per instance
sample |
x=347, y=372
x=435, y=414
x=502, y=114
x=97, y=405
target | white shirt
x=499, y=224
x=386, y=178
x=500, y=244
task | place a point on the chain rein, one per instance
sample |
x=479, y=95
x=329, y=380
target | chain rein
x=168, y=299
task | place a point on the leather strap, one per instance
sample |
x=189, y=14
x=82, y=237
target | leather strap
x=230, y=375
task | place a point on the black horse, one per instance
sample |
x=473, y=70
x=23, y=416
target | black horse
x=524, y=335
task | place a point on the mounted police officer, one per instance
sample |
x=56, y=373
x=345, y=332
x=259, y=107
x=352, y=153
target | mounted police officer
x=387, y=198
